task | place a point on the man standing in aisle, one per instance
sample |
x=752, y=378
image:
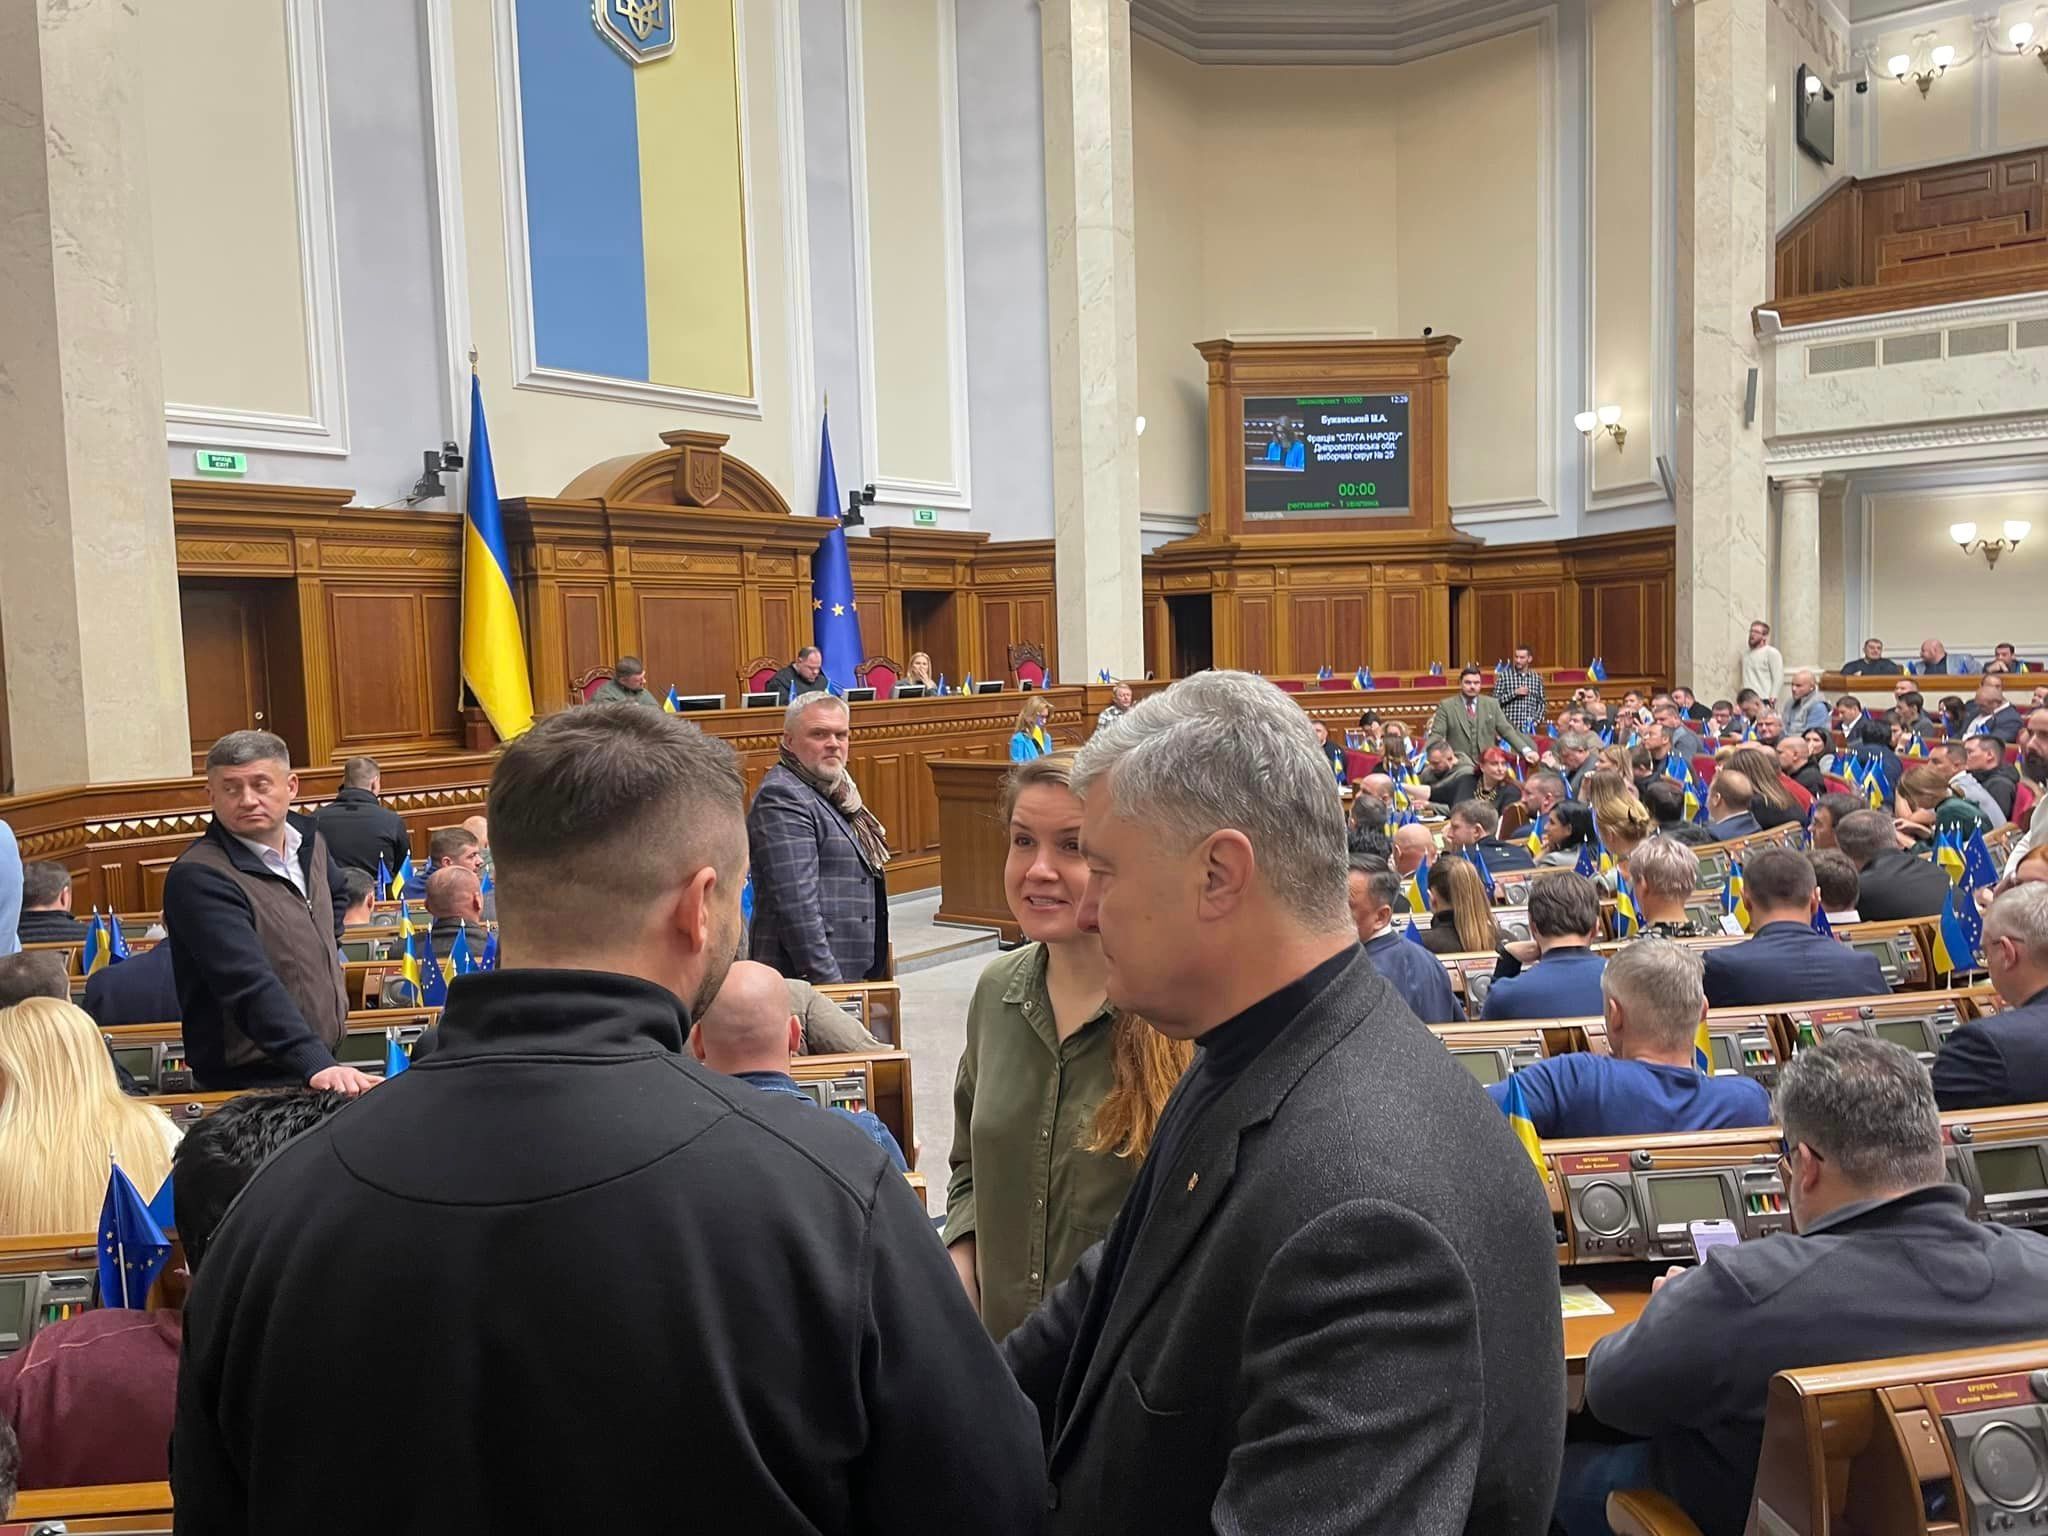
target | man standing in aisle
x=1471, y=722
x=1763, y=669
x=1519, y=691
x=254, y=909
x=1294, y=1323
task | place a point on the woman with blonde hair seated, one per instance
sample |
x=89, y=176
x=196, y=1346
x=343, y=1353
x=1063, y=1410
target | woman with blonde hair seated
x=920, y=672
x=61, y=1114
x=1463, y=921
x=1034, y=731
x=1622, y=820
x=1772, y=800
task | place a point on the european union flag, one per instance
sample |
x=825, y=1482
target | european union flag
x=1413, y=934
x=433, y=982
x=461, y=962
x=1362, y=679
x=117, y=942
x=1979, y=869
x=1961, y=934
x=133, y=1246
x=383, y=878
x=835, y=622
x=1589, y=861
x=488, y=960
x=395, y=1059
x=1819, y=923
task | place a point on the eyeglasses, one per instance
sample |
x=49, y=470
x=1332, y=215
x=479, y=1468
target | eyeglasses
x=1785, y=1160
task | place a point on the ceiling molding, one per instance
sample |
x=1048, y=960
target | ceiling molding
x=1323, y=31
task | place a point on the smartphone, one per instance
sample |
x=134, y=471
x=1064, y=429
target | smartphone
x=1711, y=1234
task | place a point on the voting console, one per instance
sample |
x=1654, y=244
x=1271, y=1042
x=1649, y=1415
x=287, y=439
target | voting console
x=1625, y=1200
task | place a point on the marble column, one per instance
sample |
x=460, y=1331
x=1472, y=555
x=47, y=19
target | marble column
x=1091, y=265
x=1836, y=643
x=1798, y=632
x=94, y=656
x=1724, y=253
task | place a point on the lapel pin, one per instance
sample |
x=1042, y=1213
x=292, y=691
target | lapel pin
x=1193, y=1180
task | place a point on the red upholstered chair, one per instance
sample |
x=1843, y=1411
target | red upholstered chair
x=1572, y=675
x=2023, y=804
x=1289, y=684
x=583, y=688
x=1333, y=684
x=880, y=674
x=1838, y=786
x=1358, y=764
x=757, y=674
x=1801, y=795
x=1027, y=663
x=1704, y=765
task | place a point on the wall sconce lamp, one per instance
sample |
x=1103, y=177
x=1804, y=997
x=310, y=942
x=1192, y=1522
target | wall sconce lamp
x=2023, y=42
x=1901, y=69
x=1965, y=535
x=1606, y=419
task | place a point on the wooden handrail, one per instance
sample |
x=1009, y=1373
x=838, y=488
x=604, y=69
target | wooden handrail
x=1896, y=298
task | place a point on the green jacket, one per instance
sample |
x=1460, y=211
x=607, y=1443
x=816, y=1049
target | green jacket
x=1470, y=736
x=1023, y=1185
x=611, y=693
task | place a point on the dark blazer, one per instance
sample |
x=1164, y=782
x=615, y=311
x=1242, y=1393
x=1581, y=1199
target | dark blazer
x=1904, y=1276
x=1899, y=885
x=2002, y=784
x=1743, y=824
x=786, y=685
x=1453, y=787
x=47, y=925
x=1440, y=935
x=1504, y=854
x=819, y=914
x=140, y=990
x=2001, y=1058
x=2003, y=723
x=1789, y=963
x=360, y=830
x=1564, y=984
x=731, y=1271
x=1317, y=1330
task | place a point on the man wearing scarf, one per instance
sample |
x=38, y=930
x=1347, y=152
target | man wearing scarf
x=821, y=912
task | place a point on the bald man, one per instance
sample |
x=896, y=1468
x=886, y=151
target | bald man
x=1412, y=844
x=750, y=1032
x=455, y=901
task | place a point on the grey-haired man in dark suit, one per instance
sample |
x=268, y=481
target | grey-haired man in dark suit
x=821, y=911
x=1304, y=1319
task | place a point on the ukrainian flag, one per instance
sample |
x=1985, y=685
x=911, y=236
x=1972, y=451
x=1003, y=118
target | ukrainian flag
x=97, y=956
x=1948, y=855
x=1702, y=1056
x=1516, y=1108
x=395, y=891
x=1626, y=919
x=1535, y=838
x=493, y=653
x=410, y=967
x=672, y=704
x=1961, y=934
x=1418, y=889
x=1732, y=899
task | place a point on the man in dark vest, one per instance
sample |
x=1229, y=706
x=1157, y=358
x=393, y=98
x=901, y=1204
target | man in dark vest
x=254, y=910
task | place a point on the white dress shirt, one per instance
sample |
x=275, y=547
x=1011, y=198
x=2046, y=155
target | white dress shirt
x=286, y=863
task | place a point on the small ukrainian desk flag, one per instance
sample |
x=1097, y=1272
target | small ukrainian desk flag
x=493, y=652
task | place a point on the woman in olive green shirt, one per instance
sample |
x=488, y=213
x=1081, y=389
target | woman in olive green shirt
x=1058, y=1093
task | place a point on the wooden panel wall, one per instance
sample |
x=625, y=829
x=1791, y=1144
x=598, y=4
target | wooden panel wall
x=1966, y=218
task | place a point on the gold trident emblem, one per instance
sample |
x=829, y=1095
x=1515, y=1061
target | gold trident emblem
x=645, y=17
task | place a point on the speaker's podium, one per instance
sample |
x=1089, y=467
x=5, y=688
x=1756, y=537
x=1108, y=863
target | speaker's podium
x=1328, y=534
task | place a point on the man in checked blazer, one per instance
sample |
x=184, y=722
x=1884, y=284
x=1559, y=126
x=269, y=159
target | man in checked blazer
x=1329, y=1303
x=1473, y=720
x=821, y=913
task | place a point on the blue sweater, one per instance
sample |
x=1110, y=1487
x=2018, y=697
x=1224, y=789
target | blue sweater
x=1587, y=1095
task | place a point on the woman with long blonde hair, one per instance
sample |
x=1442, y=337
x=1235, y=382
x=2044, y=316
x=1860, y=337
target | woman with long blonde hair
x=1033, y=737
x=1771, y=803
x=1463, y=921
x=62, y=1117
x=1058, y=1092
x=1623, y=821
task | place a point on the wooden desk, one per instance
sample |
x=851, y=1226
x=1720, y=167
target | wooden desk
x=150, y=1501
x=972, y=846
x=1627, y=1290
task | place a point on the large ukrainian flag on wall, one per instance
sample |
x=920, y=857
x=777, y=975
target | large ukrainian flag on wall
x=635, y=224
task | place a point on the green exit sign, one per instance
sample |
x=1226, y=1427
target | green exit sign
x=925, y=517
x=218, y=461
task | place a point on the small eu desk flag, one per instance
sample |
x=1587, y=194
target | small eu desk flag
x=493, y=653
x=132, y=1245
x=835, y=622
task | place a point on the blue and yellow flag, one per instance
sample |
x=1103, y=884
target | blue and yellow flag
x=1478, y=862
x=395, y=1059
x=672, y=704
x=400, y=879
x=1627, y=920
x=1535, y=837
x=1949, y=854
x=1598, y=670
x=1702, y=1053
x=1733, y=901
x=97, y=956
x=493, y=651
x=1516, y=1107
x=835, y=621
x=1960, y=937
x=1362, y=679
x=132, y=1245
x=409, y=966
x=1418, y=888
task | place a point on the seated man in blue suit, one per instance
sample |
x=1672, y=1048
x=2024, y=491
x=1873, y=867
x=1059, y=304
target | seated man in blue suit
x=1374, y=886
x=2003, y=1058
x=1564, y=983
x=140, y=990
x=1654, y=1004
x=1784, y=960
x=750, y=1032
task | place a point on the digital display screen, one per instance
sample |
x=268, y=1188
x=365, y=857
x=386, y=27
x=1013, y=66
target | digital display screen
x=359, y=1046
x=1910, y=1033
x=1880, y=951
x=1484, y=1065
x=1691, y=1197
x=139, y=1061
x=1721, y=1052
x=13, y=1311
x=2011, y=1170
x=1325, y=456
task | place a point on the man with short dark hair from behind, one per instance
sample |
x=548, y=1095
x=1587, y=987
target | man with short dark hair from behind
x=46, y=916
x=92, y=1397
x=1664, y=798
x=1564, y=983
x=1884, y=1261
x=760, y=1287
x=1895, y=885
x=1728, y=806
x=1839, y=886
x=1784, y=960
x=33, y=973
x=1331, y=1332
x=626, y=685
x=1653, y=1004
x=751, y=1031
x=1374, y=887
x=254, y=909
x=2002, y=1058
x=359, y=899
x=361, y=831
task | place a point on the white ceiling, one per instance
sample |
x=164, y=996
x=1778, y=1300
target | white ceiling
x=1872, y=10
x=1319, y=31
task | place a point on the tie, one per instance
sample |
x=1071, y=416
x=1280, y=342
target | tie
x=1471, y=709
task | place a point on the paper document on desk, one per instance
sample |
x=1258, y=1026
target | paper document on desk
x=1579, y=1301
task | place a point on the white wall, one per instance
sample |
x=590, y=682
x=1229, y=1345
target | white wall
x=1795, y=181
x=1986, y=104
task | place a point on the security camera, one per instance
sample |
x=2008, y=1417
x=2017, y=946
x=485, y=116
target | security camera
x=855, y=500
x=1429, y=330
x=1862, y=87
x=447, y=457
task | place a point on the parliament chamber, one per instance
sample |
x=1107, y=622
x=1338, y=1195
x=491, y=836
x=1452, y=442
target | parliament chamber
x=1600, y=413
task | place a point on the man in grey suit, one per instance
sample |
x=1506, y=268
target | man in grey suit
x=1308, y=1316
x=1473, y=721
x=821, y=913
